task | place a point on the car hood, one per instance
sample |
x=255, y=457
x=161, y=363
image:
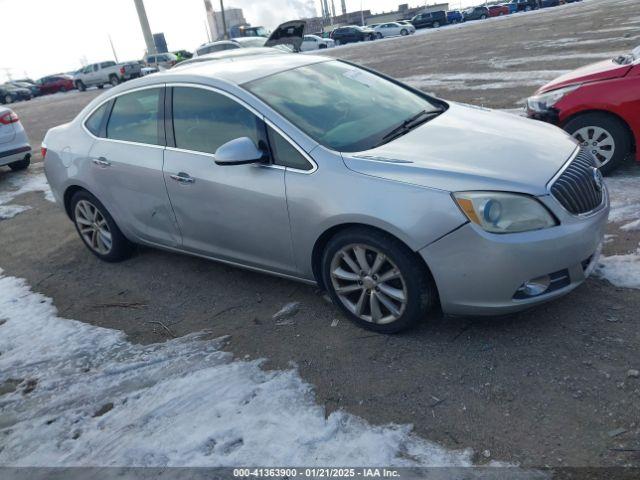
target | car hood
x=471, y=148
x=595, y=72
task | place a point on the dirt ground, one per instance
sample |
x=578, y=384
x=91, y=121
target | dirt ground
x=547, y=387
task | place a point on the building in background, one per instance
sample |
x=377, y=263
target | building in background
x=234, y=17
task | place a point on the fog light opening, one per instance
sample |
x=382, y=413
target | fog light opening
x=534, y=287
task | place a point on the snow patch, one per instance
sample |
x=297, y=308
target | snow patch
x=19, y=183
x=102, y=401
x=474, y=81
x=621, y=270
x=625, y=199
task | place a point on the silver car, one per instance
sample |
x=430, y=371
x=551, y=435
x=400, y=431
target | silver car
x=15, y=150
x=321, y=171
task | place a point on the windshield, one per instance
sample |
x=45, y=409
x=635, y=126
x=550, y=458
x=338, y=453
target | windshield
x=340, y=106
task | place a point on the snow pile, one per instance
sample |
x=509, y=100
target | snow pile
x=625, y=200
x=85, y=396
x=623, y=270
x=32, y=180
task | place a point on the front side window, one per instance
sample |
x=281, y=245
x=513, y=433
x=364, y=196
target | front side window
x=286, y=154
x=94, y=122
x=340, y=106
x=204, y=120
x=134, y=117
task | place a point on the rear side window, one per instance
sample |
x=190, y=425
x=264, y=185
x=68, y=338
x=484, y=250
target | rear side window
x=204, y=120
x=94, y=122
x=134, y=117
x=286, y=154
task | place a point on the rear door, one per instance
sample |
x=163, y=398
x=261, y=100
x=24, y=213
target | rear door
x=126, y=166
x=233, y=213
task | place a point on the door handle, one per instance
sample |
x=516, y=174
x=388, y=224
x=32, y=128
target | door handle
x=182, y=177
x=102, y=162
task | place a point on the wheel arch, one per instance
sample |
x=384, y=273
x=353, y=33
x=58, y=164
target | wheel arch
x=328, y=234
x=635, y=140
x=68, y=195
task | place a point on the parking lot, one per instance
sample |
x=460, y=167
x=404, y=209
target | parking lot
x=547, y=387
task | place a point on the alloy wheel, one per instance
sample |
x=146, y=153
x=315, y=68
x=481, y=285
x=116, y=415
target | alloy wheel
x=598, y=141
x=369, y=284
x=93, y=227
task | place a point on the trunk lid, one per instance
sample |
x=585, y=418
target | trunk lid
x=290, y=34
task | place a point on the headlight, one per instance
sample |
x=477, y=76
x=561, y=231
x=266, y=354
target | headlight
x=499, y=212
x=540, y=103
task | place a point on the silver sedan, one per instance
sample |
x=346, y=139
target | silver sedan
x=318, y=170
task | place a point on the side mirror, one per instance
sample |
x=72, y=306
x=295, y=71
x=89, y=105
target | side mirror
x=241, y=151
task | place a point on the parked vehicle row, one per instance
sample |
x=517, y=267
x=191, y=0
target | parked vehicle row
x=103, y=73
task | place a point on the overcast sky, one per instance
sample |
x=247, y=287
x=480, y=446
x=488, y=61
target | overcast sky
x=42, y=37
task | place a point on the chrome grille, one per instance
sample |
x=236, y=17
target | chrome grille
x=579, y=187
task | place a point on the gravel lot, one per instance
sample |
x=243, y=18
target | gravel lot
x=544, y=387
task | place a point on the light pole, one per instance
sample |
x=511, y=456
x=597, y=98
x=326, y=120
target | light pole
x=146, y=30
x=224, y=20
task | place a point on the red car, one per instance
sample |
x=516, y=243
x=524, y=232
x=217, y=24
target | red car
x=599, y=105
x=498, y=10
x=55, y=83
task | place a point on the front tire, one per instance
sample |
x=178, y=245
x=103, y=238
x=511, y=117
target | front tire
x=605, y=136
x=20, y=164
x=98, y=230
x=81, y=86
x=379, y=36
x=404, y=32
x=8, y=99
x=376, y=280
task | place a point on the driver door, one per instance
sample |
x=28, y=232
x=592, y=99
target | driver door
x=233, y=213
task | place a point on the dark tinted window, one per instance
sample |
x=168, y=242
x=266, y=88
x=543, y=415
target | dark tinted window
x=286, y=154
x=107, y=64
x=204, y=120
x=134, y=117
x=94, y=122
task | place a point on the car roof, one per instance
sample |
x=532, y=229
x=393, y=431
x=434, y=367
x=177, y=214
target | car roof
x=229, y=54
x=240, y=69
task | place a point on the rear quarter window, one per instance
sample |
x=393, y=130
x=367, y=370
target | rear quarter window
x=94, y=122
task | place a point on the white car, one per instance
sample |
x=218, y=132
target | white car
x=314, y=42
x=160, y=61
x=234, y=43
x=15, y=150
x=392, y=29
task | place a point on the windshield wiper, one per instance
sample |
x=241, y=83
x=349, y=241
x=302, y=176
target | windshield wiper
x=409, y=124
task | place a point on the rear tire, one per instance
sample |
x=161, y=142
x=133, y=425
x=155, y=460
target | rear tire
x=436, y=24
x=609, y=126
x=63, y=89
x=114, y=80
x=21, y=164
x=101, y=86
x=99, y=232
x=361, y=291
x=482, y=17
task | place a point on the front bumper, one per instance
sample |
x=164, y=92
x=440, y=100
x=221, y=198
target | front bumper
x=479, y=273
x=550, y=115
